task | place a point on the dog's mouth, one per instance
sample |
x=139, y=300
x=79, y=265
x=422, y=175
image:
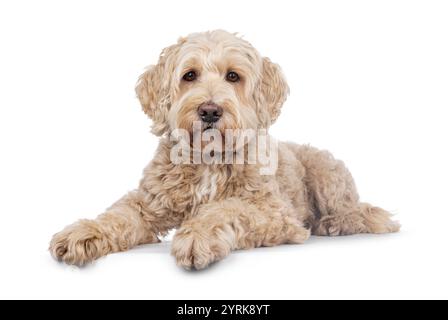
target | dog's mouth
x=208, y=126
x=199, y=128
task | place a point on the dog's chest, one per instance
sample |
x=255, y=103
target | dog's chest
x=207, y=187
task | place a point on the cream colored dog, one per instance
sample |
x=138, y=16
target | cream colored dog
x=221, y=80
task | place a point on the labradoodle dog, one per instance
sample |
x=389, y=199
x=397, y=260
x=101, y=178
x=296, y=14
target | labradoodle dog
x=220, y=80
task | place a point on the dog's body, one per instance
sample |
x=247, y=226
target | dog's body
x=218, y=208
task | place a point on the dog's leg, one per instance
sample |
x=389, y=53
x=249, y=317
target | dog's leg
x=123, y=226
x=335, y=199
x=221, y=227
x=362, y=218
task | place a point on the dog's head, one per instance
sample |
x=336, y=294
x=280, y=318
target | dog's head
x=213, y=77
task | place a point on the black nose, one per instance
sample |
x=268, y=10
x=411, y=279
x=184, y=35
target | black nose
x=209, y=112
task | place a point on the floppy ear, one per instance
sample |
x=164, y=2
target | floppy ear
x=274, y=88
x=154, y=88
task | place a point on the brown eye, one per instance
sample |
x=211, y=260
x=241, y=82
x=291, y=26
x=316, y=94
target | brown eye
x=232, y=77
x=190, y=76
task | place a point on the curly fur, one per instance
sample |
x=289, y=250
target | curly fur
x=222, y=207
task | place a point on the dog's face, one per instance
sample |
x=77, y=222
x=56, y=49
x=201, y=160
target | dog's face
x=216, y=78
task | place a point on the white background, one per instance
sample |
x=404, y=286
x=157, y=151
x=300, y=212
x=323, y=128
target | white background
x=368, y=81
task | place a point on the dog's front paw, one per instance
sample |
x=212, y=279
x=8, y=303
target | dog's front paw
x=197, y=249
x=79, y=243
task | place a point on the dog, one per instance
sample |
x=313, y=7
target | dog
x=218, y=80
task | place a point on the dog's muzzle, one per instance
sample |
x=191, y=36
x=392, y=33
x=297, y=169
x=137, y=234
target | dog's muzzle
x=210, y=112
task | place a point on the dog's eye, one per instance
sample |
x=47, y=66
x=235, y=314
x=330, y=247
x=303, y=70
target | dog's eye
x=190, y=76
x=232, y=77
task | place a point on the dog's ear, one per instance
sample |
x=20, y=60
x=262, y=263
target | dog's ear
x=274, y=88
x=154, y=88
